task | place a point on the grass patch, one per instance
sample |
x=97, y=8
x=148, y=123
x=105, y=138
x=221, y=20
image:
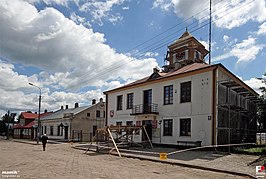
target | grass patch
x=251, y=151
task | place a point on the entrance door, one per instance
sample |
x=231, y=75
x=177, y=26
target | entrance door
x=21, y=133
x=147, y=100
x=148, y=127
x=66, y=132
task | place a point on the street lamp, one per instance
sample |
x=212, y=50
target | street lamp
x=39, y=115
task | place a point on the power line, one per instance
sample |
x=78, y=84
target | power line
x=138, y=53
x=156, y=47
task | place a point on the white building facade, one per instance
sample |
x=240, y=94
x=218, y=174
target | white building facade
x=181, y=103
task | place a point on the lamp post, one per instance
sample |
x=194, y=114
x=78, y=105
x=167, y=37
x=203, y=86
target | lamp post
x=39, y=115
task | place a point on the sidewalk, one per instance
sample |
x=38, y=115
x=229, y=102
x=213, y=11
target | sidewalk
x=235, y=164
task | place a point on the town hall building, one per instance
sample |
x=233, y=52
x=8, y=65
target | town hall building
x=186, y=102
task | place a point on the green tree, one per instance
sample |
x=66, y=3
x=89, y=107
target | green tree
x=262, y=106
x=6, y=118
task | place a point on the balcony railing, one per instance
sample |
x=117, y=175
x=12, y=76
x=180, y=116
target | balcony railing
x=145, y=109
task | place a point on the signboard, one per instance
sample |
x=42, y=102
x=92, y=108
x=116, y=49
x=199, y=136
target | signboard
x=154, y=124
x=163, y=156
x=112, y=113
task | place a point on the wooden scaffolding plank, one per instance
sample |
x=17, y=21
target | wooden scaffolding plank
x=113, y=141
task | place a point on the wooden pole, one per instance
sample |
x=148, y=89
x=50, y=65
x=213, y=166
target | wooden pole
x=147, y=136
x=113, y=142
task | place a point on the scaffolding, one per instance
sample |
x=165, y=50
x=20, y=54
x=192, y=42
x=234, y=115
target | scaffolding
x=117, y=137
x=236, y=113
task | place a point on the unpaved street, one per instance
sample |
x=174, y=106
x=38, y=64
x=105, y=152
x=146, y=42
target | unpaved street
x=63, y=162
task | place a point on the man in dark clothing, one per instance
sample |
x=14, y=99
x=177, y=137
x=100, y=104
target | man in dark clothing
x=44, y=139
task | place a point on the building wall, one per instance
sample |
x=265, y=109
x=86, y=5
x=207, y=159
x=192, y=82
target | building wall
x=86, y=123
x=199, y=109
x=23, y=133
x=78, y=123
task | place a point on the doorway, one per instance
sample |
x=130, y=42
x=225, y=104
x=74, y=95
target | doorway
x=147, y=101
x=66, y=132
x=148, y=127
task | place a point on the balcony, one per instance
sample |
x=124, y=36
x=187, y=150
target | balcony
x=145, y=109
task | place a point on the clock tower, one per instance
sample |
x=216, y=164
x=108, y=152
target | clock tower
x=184, y=51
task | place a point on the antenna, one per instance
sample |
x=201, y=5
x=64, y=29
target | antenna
x=210, y=32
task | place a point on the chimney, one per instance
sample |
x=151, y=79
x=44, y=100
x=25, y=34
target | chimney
x=76, y=105
x=101, y=100
x=93, y=101
x=66, y=106
x=62, y=107
x=45, y=111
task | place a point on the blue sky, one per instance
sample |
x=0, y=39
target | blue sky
x=75, y=50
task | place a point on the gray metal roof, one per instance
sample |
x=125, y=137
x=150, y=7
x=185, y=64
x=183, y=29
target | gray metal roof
x=60, y=113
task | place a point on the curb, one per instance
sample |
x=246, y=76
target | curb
x=178, y=164
x=25, y=142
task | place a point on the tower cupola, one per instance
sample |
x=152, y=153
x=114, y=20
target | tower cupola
x=185, y=50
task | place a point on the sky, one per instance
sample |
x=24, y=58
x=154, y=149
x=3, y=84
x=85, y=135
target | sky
x=73, y=50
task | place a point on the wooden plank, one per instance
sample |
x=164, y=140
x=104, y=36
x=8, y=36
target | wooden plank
x=113, y=142
x=147, y=136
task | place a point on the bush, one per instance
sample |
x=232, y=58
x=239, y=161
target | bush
x=251, y=151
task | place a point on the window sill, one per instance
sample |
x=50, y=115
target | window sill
x=185, y=102
x=168, y=104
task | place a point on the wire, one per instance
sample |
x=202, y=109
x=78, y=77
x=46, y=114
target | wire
x=149, y=41
x=162, y=44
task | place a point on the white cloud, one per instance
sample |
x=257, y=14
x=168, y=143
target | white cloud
x=164, y=5
x=239, y=12
x=222, y=57
x=11, y=80
x=79, y=20
x=125, y=8
x=205, y=44
x=262, y=29
x=225, y=38
x=245, y=51
x=17, y=95
x=66, y=54
x=101, y=10
x=151, y=54
x=49, y=2
x=255, y=84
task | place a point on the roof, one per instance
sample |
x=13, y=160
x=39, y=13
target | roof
x=28, y=115
x=185, y=36
x=194, y=67
x=28, y=126
x=60, y=113
x=184, y=69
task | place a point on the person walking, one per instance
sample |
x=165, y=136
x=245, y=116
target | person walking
x=44, y=139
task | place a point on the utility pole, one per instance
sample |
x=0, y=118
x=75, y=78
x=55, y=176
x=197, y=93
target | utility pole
x=39, y=115
x=7, y=129
x=210, y=32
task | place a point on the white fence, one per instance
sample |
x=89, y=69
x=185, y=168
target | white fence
x=261, y=138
